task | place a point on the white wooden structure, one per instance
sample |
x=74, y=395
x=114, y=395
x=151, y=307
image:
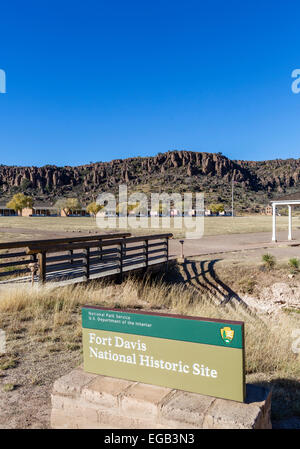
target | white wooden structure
x=288, y=203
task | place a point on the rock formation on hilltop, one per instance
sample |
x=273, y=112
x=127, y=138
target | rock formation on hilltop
x=174, y=171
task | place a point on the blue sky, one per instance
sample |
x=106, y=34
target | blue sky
x=100, y=80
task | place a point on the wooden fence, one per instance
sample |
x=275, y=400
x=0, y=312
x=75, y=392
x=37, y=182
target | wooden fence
x=81, y=258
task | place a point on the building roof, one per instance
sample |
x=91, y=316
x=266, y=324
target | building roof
x=39, y=206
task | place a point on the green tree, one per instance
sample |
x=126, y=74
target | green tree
x=121, y=207
x=93, y=208
x=132, y=207
x=216, y=208
x=19, y=201
x=68, y=205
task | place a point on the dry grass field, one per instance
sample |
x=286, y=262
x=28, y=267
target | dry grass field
x=43, y=323
x=17, y=227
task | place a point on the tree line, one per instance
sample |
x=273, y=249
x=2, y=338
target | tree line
x=21, y=201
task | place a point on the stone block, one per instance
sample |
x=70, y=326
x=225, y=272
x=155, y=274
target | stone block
x=144, y=400
x=59, y=420
x=105, y=391
x=72, y=383
x=253, y=414
x=186, y=409
x=86, y=401
x=122, y=421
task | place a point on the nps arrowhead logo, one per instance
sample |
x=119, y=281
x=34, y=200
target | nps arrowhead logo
x=227, y=334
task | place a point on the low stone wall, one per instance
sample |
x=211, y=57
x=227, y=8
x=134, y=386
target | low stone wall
x=89, y=401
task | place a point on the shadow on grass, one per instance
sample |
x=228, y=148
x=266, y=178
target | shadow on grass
x=285, y=406
x=202, y=276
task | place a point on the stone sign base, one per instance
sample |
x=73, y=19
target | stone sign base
x=89, y=401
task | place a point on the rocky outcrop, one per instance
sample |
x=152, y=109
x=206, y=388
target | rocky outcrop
x=174, y=170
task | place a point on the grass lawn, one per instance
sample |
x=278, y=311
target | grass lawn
x=212, y=225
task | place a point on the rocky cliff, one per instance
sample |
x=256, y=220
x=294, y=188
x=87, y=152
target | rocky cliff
x=174, y=171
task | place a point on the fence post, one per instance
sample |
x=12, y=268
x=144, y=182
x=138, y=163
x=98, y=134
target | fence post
x=86, y=263
x=100, y=249
x=42, y=266
x=121, y=263
x=33, y=258
x=147, y=252
x=70, y=251
x=167, y=252
x=124, y=246
x=33, y=266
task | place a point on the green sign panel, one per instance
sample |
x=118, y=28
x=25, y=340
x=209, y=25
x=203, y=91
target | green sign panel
x=194, y=354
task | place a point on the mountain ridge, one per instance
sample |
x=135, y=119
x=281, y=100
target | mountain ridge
x=256, y=182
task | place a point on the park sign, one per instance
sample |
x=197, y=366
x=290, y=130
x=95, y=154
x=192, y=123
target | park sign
x=199, y=355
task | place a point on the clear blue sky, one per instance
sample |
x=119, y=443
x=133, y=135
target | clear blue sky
x=100, y=80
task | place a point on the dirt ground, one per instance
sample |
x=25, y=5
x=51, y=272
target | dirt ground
x=28, y=405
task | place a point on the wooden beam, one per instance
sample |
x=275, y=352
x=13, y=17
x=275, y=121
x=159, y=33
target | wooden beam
x=33, y=249
x=42, y=267
x=86, y=238
x=86, y=263
x=147, y=253
x=121, y=262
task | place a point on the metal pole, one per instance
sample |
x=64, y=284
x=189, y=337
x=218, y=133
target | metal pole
x=290, y=223
x=273, y=222
x=182, y=242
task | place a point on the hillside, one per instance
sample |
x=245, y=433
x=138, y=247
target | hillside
x=174, y=171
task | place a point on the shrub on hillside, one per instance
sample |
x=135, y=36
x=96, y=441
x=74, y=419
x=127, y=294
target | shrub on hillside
x=294, y=264
x=269, y=261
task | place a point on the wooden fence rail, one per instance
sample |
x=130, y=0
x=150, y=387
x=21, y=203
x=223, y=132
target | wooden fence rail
x=9, y=267
x=84, y=257
x=62, y=240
